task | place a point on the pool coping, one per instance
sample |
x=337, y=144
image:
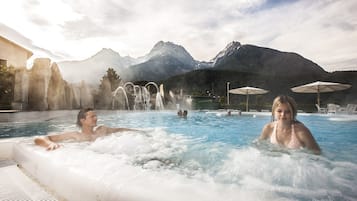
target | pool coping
x=15, y=184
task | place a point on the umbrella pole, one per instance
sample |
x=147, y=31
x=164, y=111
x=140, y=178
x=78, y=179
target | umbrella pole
x=318, y=97
x=228, y=93
x=246, y=104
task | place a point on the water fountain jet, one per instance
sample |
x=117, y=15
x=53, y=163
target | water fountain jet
x=116, y=99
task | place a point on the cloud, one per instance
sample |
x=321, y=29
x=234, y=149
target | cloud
x=322, y=31
x=85, y=28
x=317, y=30
x=18, y=38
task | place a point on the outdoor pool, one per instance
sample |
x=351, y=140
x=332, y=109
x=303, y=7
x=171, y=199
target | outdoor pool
x=208, y=156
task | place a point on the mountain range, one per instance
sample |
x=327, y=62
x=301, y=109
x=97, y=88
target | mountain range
x=167, y=59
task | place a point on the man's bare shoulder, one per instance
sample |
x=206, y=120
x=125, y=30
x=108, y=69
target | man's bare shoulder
x=101, y=129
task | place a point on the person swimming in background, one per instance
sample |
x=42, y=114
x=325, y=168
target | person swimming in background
x=179, y=113
x=285, y=130
x=87, y=121
x=182, y=114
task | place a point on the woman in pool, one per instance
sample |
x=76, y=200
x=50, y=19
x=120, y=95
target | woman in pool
x=87, y=121
x=285, y=130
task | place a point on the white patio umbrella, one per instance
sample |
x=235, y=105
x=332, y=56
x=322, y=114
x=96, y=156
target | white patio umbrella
x=320, y=87
x=247, y=91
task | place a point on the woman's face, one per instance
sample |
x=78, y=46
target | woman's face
x=283, y=113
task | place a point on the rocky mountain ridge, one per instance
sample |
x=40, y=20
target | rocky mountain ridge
x=250, y=58
x=226, y=52
x=167, y=59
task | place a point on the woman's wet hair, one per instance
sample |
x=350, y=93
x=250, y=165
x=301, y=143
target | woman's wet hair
x=82, y=115
x=283, y=99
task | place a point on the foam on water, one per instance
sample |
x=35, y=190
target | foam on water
x=154, y=164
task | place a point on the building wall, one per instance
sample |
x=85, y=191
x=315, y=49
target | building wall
x=14, y=54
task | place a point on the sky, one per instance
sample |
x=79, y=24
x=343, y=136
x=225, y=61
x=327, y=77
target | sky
x=323, y=31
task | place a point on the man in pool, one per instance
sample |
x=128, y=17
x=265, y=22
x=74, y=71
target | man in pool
x=285, y=130
x=87, y=121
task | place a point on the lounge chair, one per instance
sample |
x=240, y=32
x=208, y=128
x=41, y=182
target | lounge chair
x=332, y=108
x=321, y=109
x=351, y=109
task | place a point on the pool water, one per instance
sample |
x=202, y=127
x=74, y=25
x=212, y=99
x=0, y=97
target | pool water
x=220, y=150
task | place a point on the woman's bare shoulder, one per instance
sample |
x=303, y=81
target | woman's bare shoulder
x=301, y=128
x=269, y=126
x=267, y=130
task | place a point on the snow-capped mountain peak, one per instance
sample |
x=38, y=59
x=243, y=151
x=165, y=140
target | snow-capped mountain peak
x=227, y=51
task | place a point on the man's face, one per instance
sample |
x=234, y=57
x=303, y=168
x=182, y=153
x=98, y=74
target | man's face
x=90, y=119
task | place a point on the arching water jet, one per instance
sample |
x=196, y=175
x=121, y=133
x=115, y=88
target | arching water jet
x=120, y=88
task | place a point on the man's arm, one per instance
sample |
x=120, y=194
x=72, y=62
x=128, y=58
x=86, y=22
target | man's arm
x=50, y=141
x=107, y=130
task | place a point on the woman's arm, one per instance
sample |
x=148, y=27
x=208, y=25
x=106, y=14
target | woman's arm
x=265, y=132
x=308, y=139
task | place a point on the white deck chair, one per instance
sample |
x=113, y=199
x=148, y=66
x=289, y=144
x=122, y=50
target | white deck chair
x=321, y=109
x=332, y=108
x=351, y=108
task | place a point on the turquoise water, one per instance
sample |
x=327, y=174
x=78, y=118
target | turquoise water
x=336, y=134
x=212, y=147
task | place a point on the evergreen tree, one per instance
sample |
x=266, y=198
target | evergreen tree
x=108, y=84
x=114, y=78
